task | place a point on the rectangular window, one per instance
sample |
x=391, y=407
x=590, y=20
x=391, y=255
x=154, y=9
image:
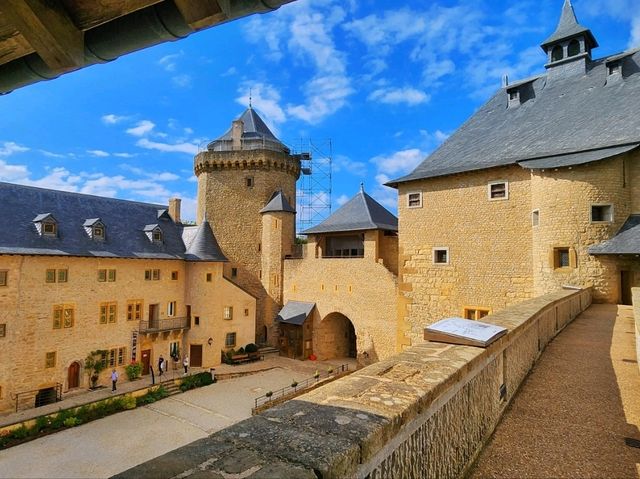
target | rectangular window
x=3, y=277
x=121, y=356
x=246, y=311
x=134, y=310
x=230, y=340
x=147, y=275
x=155, y=274
x=3, y=330
x=535, y=217
x=108, y=313
x=561, y=258
x=174, y=276
x=441, y=255
x=113, y=310
x=102, y=275
x=234, y=272
x=476, y=313
x=103, y=358
x=171, y=308
x=498, y=190
x=209, y=277
x=50, y=360
x=196, y=320
x=63, y=275
x=50, y=276
x=104, y=308
x=111, y=275
x=228, y=312
x=248, y=181
x=414, y=200
x=68, y=316
x=49, y=229
x=112, y=357
x=601, y=213
x=57, y=316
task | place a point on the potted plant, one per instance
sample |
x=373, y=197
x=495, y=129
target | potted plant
x=133, y=370
x=269, y=394
x=294, y=384
x=316, y=374
x=94, y=364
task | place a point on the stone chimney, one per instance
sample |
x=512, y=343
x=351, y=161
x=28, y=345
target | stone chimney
x=174, y=209
x=237, y=128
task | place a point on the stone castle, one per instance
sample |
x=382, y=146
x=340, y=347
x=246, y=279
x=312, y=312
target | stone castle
x=536, y=191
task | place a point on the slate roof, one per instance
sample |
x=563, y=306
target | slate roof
x=255, y=134
x=567, y=114
x=568, y=27
x=278, y=202
x=202, y=244
x=125, y=222
x=359, y=213
x=576, y=158
x=626, y=241
x=295, y=312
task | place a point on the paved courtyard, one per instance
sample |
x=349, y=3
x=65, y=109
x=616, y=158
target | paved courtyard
x=111, y=445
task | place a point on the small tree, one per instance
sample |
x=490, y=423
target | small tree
x=94, y=364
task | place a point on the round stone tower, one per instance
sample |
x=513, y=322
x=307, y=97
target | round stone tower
x=238, y=175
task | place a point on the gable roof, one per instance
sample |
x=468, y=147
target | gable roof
x=201, y=243
x=125, y=221
x=359, y=213
x=571, y=114
x=626, y=241
x=255, y=134
x=568, y=27
x=295, y=312
x=278, y=202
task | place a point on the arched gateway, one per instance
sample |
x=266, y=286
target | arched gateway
x=336, y=337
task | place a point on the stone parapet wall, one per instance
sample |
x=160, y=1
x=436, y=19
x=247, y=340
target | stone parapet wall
x=636, y=313
x=426, y=412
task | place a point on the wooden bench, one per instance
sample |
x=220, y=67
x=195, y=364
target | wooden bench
x=246, y=358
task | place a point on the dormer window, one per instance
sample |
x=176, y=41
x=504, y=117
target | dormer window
x=46, y=225
x=614, y=68
x=514, y=97
x=154, y=233
x=95, y=229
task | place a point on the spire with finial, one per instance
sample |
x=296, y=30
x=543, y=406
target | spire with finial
x=250, y=98
x=568, y=28
x=362, y=187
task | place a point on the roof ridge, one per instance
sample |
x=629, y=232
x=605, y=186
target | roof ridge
x=366, y=203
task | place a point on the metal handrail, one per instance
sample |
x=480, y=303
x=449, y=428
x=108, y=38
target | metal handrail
x=300, y=386
x=157, y=325
x=33, y=394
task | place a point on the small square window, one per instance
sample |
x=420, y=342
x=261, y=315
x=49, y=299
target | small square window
x=230, y=340
x=514, y=95
x=209, y=276
x=441, y=255
x=561, y=258
x=414, y=200
x=234, y=272
x=174, y=276
x=196, y=320
x=614, y=68
x=248, y=181
x=98, y=232
x=601, y=213
x=63, y=275
x=102, y=275
x=3, y=277
x=3, y=330
x=228, y=312
x=475, y=313
x=111, y=275
x=535, y=217
x=498, y=190
x=50, y=360
x=50, y=276
x=49, y=229
x=157, y=236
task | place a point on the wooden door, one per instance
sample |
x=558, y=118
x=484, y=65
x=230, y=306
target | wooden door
x=73, y=375
x=195, y=355
x=153, y=316
x=146, y=361
x=625, y=287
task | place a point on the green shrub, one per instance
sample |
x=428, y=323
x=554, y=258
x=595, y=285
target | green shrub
x=41, y=423
x=58, y=421
x=154, y=394
x=133, y=370
x=71, y=421
x=128, y=402
x=196, y=381
x=251, y=348
x=20, y=433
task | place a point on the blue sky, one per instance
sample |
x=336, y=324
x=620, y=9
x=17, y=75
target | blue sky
x=387, y=82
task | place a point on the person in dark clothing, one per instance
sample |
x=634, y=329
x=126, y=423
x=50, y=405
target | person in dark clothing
x=160, y=365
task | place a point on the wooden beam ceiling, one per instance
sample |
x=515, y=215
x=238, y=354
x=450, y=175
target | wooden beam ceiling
x=49, y=30
x=201, y=13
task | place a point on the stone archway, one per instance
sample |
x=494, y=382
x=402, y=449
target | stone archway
x=335, y=337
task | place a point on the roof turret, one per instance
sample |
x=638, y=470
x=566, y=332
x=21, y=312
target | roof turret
x=203, y=245
x=278, y=203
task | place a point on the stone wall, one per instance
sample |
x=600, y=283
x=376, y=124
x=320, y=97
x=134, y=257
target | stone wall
x=233, y=209
x=361, y=289
x=489, y=244
x=636, y=314
x=27, y=302
x=426, y=412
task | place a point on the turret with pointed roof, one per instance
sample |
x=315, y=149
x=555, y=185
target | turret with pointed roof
x=568, y=27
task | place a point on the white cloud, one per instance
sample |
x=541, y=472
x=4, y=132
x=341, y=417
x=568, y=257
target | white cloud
x=344, y=163
x=169, y=62
x=230, y=71
x=51, y=154
x=190, y=148
x=142, y=128
x=341, y=200
x=399, y=162
x=409, y=96
x=12, y=172
x=264, y=98
x=98, y=153
x=634, y=41
x=182, y=81
x=125, y=155
x=112, y=119
x=9, y=148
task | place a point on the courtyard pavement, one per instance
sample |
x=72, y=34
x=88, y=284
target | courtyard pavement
x=113, y=444
x=575, y=411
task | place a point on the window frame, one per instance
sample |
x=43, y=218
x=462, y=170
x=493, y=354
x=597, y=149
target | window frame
x=227, y=343
x=172, y=306
x=52, y=226
x=209, y=277
x=409, y=194
x=4, y=275
x=111, y=275
x=227, y=313
x=102, y=275
x=558, y=252
x=601, y=205
x=495, y=183
x=437, y=249
x=50, y=275
x=98, y=231
x=134, y=309
x=3, y=330
x=50, y=359
x=174, y=276
x=535, y=215
x=62, y=275
x=155, y=274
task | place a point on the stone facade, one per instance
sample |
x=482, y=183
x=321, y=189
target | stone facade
x=30, y=332
x=233, y=186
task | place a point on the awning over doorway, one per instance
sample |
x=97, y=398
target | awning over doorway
x=295, y=312
x=626, y=241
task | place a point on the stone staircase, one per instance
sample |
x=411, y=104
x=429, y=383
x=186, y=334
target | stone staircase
x=269, y=351
x=171, y=387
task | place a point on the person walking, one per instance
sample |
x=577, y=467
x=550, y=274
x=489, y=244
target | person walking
x=114, y=380
x=160, y=365
x=185, y=363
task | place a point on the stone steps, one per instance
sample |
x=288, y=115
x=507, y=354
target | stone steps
x=269, y=351
x=171, y=387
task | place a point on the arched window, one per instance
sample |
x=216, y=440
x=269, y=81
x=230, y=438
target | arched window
x=556, y=53
x=574, y=48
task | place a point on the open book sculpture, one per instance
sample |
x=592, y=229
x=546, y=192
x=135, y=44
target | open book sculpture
x=463, y=331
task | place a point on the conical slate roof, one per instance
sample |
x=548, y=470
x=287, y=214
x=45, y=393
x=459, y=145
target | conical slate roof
x=255, y=134
x=568, y=27
x=278, y=202
x=359, y=213
x=202, y=244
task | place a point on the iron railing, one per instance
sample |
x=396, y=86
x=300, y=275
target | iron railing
x=169, y=324
x=300, y=386
x=38, y=397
